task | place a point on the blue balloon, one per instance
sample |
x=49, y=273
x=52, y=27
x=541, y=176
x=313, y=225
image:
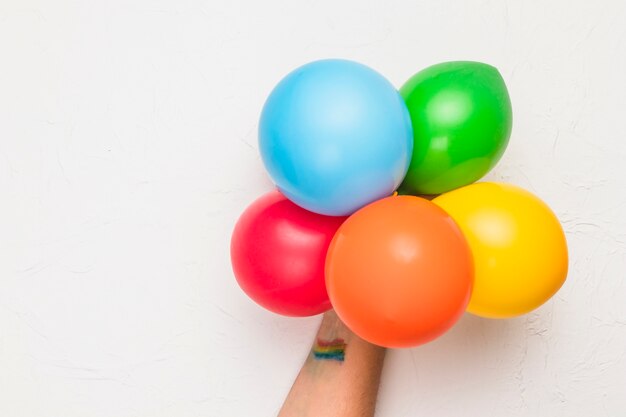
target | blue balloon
x=335, y=135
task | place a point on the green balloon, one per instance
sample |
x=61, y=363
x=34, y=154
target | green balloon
x=461, y=116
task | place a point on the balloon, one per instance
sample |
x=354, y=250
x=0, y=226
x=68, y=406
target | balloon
x=399, y=272
x=461, y=115
x=278, y=251
x=519, y=248
x=335, y=135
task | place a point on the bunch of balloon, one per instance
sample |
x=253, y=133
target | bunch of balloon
x=352, y=225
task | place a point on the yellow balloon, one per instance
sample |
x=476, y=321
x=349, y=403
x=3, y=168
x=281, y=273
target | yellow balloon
x=519, y=248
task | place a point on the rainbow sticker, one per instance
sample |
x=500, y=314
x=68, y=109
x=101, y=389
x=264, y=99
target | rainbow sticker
x=334, y=349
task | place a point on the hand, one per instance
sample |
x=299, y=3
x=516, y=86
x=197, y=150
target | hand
x=339, y=378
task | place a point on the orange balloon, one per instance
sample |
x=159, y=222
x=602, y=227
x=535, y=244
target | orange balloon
x=399, y=272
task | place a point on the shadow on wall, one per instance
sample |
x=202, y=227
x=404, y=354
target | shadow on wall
x=477, y=354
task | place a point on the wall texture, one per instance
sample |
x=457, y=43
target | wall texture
x=128, y=149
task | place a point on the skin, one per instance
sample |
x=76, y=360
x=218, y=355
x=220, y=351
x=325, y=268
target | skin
x=334, y=388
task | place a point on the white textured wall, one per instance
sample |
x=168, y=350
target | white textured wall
x=128, y=149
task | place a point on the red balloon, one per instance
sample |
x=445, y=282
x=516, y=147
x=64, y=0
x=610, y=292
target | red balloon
x=278, y=251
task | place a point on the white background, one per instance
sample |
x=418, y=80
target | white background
x=128, y=150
